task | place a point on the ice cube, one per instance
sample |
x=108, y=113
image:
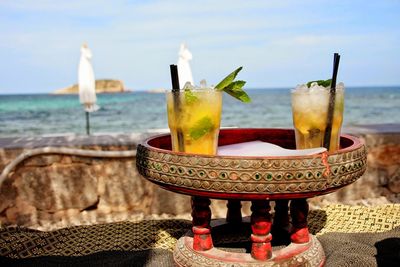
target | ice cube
x=188, y=86
x=340, y=86
x=203, y=84
x=319, y=99
x=301, y=88
x=315, y=88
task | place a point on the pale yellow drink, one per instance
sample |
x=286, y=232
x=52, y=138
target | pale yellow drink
x=194, y=119
x=310, y=115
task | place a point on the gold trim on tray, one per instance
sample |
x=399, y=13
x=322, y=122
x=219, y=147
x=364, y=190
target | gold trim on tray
x=319, y=174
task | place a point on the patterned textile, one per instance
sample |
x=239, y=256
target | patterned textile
x=354, y=219
x=350, y=235
x=18, y=242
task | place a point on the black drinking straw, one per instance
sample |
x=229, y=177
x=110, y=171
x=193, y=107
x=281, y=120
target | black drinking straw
x=175, y=92
x=174, y=77
x=332, y=96
x=175, y=85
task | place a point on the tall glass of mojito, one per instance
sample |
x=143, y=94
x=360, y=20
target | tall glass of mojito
x=194, y=113
x=194, y=118
x=310, y=104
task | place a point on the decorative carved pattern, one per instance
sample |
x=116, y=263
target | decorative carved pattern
x=184, y=255
x=250, y=175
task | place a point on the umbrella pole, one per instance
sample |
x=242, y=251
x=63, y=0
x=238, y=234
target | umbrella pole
x=87, y=124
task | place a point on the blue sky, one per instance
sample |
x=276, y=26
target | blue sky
x=279, y=43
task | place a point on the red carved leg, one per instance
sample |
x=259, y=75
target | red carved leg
x=261, y=248
x=201, y=215
x=234, y=214
x=281, y=218
x=281, y=222
x=299, y=212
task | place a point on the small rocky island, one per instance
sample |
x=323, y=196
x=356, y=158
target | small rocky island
x=102, y=86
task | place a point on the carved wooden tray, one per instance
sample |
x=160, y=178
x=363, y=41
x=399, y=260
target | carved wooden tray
x=250, y=178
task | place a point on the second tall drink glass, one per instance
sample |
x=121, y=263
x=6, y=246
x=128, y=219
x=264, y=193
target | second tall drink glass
x=310, y=116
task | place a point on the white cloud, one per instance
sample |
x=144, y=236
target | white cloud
x=135, y=41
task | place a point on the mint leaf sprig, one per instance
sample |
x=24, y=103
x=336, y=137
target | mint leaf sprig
x=201, y=128
x=324, y=83
x=234, y=88
x=190, y=97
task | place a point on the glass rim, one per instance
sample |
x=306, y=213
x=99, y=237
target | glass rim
x=200, y=90
x=308, y=92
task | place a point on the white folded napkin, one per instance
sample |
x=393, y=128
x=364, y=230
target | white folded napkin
x=260, y=148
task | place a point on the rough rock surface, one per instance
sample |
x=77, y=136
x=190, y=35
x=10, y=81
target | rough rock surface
x=57, y=187
x=382, y=177
x=102, y=86
x=50, y=191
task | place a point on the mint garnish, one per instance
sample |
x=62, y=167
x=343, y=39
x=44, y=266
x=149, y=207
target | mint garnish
x=324, y=83
x=202, y=127
x=234, y=88
x=228, y=79
x=190, y=97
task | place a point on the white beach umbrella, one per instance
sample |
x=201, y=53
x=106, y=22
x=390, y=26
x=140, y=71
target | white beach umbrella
x=87, y=84
x=86, y=81
x=184, y=70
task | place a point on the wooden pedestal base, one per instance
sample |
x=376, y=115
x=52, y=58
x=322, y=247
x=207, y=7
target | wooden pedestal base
x=307, y=254
x=199, y=250
x=256, y=179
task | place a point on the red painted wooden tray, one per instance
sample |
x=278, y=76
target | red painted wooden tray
x=249, y=178
x=258, y=179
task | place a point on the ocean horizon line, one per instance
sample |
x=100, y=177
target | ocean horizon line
x=35, y=114
x=130, y=91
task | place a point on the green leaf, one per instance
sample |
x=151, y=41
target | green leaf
x=235, y=89
x=201, y=128
x=324, y=83
x=228, y=79
x=190, y=97
x=236, y=85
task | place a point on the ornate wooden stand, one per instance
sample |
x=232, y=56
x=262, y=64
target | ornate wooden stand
x=288, y=181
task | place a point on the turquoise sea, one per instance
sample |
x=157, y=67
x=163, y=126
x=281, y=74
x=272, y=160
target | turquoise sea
x=45, y=114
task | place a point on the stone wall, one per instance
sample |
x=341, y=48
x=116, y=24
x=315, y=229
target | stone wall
x=380, y=183
x=68, y=189
x=57, y=190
